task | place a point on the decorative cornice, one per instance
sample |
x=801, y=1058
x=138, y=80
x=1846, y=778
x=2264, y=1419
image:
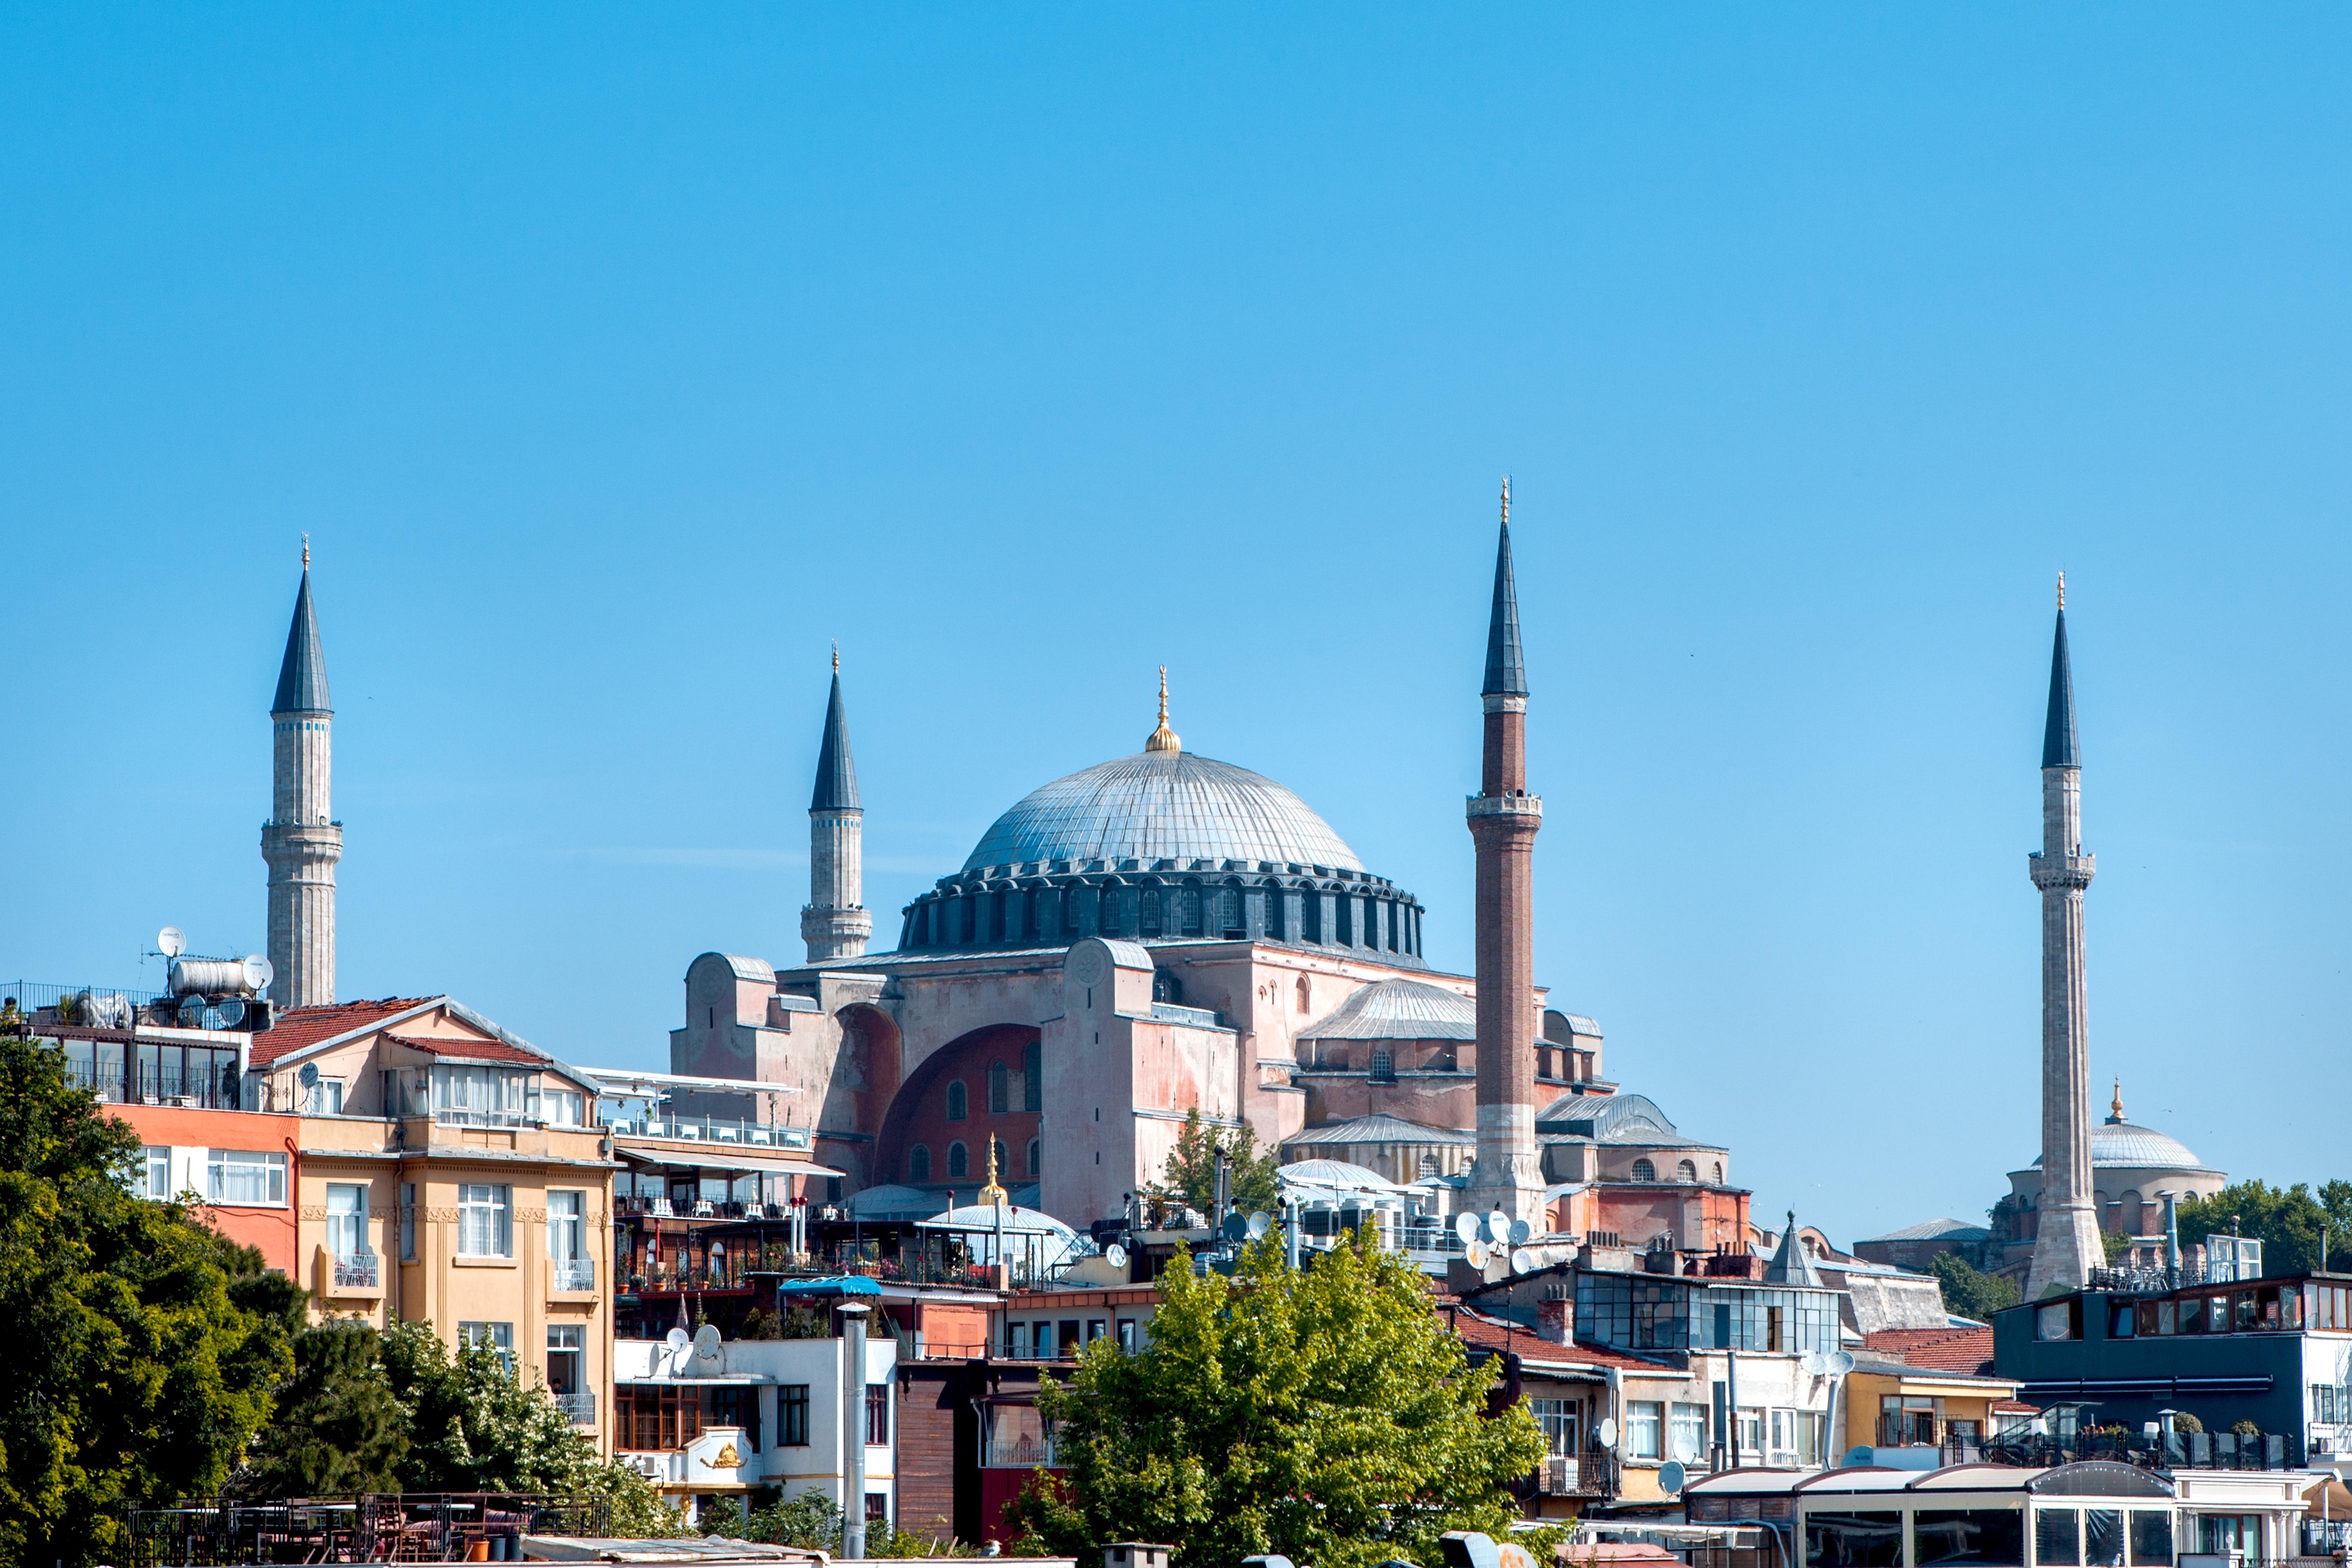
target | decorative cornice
x=1504, y=806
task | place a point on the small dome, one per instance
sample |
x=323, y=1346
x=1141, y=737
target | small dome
x=1163, y=806
x=1398, y=1010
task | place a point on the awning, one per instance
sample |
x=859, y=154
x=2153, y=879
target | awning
x=716, y=1159
x=837, y=1285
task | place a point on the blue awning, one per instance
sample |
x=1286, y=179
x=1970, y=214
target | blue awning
x=839, y=1285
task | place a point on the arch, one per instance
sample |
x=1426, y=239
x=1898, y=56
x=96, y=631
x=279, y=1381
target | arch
x=918, y=1114
x=1000, y=1088
x=959, y=1102
x=1719, y=1172
x=1306, y=994
x=1273, y=923
x=1107, y=921
x=958, y=1160
x=1146, y=913
x=1686, y=1171
x=1644, y=1171
x=1383, y=1064
x=1037, y=1157
x=1190, y=919
x=918, y=1164
x=876, y=1053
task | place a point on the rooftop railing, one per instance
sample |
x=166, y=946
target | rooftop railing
x=2164, y=1451
x=781, y=1136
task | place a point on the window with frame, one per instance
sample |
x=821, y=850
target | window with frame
x=485, y=1220
x=480, y=1096
x=482, y=1335
x=958, y=1160
x=2151, y=1537
x=1686, y=1439
x=958, y=1101
x=792, y=1415
x=155, y=1174
x=346, y=1220
x=918, y=1164
x=1645, y=1428
x=1033, y=1076
x=1000, y=1088
x=1558, y=1418
x=1037, y=1157
x=325, y=1098
x=242, y=1176
x=1968, y=1535
x=1644, y=1171
x=1872, y=1540
x=1188, y=912
x=408, y=1222
x=877, y=1415
x=567, y=1231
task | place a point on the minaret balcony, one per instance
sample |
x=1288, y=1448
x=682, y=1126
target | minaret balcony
x=2065, y=871
x=1504, y=806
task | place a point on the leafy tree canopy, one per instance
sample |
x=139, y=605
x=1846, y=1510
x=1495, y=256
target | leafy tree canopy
x=1191, y=1174
x=339, y=1430
x=2290, y=1221
x=1970, y=1291
x=1323, y=1413
x=143, y=1345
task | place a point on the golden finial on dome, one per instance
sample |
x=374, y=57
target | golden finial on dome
x=1163, y=738
x=2116, y=1105
x=992, y=1195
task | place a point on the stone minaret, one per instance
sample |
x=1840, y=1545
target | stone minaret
x=2066, y=1238
x=301, y=841
x=1504, y=818
x=836, y=923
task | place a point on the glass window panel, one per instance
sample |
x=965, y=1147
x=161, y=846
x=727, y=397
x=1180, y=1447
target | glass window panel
x=346, y=1219
x=2151, y=1536
x=1994, y=1537
x=485, y=1221
x=1645, y=1424
x=1853, y=1540
x=2103, y=1537
x=2057, y=1537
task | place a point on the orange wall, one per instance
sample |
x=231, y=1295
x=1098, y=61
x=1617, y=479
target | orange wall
x=273, y=1230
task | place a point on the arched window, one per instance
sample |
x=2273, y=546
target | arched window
x=1344, y=928
x=1000, y=1088
x=919, y=1163
x=1274, y=911
x=958, y=1160
x=1310, y=924
x=1033, y=1077
x=1686, y=1171
x=1303, y=995
x=1037, y=1158
x=1166, y=987
x=1393, y=922
x=1147, y=924
x=1719, y=1172
x=1644, y=1171
x=1107, y=924
x=957, y=1109
x=1383, y=1064
x=1188, y=912
x=1229, y=913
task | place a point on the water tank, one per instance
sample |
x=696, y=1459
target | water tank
x=209, y=978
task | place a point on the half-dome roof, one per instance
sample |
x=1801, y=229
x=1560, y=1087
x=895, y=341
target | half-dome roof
x=1398, y=1010
x=1163, y=806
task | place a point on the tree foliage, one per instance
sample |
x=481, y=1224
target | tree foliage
x=1324, y=1412
x=2289, y=1220
x=1970, y=1291
x=339, y=1429
x=1190, y=1178
x=143, y=1345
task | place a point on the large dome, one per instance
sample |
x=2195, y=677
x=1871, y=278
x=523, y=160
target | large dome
x=2121, y=1146
x=1160, y=806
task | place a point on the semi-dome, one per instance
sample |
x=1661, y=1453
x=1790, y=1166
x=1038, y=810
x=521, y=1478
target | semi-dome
x=2123, y=1145
x=1163, y=806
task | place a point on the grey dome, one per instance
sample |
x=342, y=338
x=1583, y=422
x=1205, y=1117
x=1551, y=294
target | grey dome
x=2121, y=1146
x=1163, y=806
x=1398, y=1010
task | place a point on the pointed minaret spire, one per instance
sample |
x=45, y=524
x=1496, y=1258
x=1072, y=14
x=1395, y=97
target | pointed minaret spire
x=301, y=841
x=2066, y=1244
x=836, y=923
x=1507, y=672
x=1507, y=1173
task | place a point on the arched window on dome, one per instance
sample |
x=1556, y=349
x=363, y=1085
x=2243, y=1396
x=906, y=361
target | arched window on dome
x=919, y=1163
x=958, y=1160
x=1383, y=1064
x=1147, y=913
x=1231, y=921
x=1033, y=1077
x=959, y=1107
x=1274, y=930
x=1344, y=929
x=1719, y=1172
x=1394, y=910
x=1686, y=1171
x=1188, y=912
x=1108, y=923
x=1310, y=911
x=1644, y=1171
x=1000, y=1088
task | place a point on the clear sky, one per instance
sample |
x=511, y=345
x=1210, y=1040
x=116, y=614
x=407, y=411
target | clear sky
x=617, y=360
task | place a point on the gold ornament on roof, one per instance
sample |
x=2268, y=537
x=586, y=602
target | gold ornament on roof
x=1163, y=738
x=2117, y=1106
x=992, y=1195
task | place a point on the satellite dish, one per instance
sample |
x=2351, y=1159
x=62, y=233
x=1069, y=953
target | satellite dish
x=1672, y=1476
x=1259, y=1224
x=1234, y=1228
x=1839, y=1362
x=1115, y=1255
x=676, y=1339
x=170, y=942
x=706, y=1343
x=258, y=973
x=1606, y=1431
x=1465, y=1226
x=1520, y=1231
x=1523, y=1261
x=225, y=1015
x=192, y=1013
x=1498, y=1226
x=309, y=1076
x=1474, y=1251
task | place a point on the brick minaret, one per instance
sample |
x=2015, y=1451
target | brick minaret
x=836, y=924
x=301, y=841
x=1504, y=818
x=2066, y=1236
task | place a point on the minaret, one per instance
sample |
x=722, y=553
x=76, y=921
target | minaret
x=2066, y=1244
x=1504, y=818
x=836, y=923
x=301, y=841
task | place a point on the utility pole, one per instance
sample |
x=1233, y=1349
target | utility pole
x=852, y=1430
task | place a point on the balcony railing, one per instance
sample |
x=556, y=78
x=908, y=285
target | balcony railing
x=1579, y=1475
x=356, y=1272
x=580, y=1407
x=716, y=1129
x=2156, y=1280
x=575, y=1274
x=2166, y=1451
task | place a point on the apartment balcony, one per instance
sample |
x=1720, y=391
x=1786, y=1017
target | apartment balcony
x=1579, y=1475
x=572, y=1276
x=356, y=1277
x=579, y=1407
x=782, y=1137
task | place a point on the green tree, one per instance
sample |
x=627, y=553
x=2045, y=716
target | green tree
x=339, y=1429
x=2289, y=1220
x=1323, y=1413
x=1190, y=1178
x=143, y=1345
x=1969, y=1291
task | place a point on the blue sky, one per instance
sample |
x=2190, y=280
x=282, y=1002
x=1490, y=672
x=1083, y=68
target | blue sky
x=618, y=361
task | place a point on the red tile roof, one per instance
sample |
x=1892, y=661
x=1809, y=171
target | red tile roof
x=299, y=1027
x=471, y=1049
x=1937, y=1350
x=1486, y=1333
